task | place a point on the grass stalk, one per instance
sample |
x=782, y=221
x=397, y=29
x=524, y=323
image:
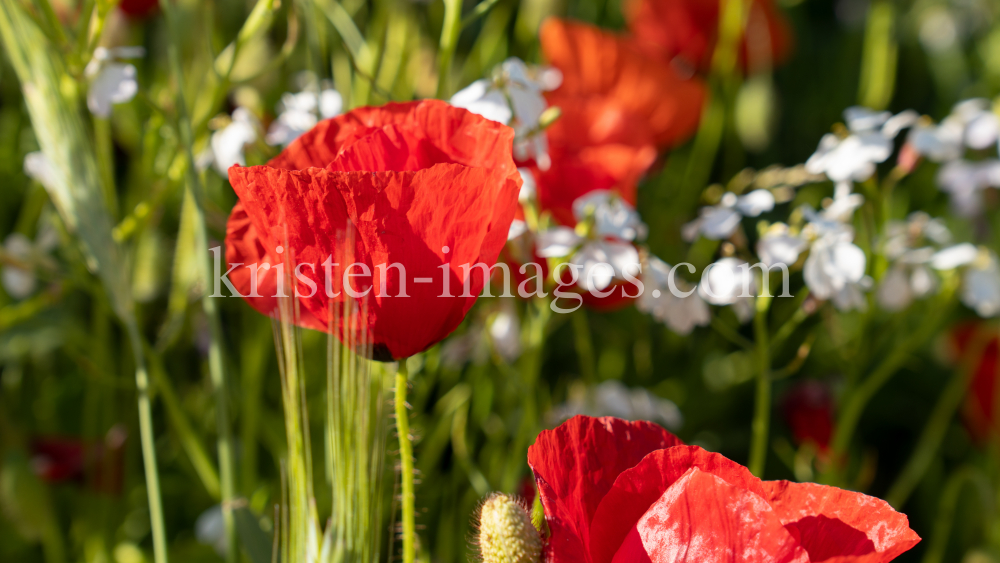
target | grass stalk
x=450, y=31
x=216, y=362
x=762, y=402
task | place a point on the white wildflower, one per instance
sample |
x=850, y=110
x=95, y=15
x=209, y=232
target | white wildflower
x=111, y=81
x=721, y=221
x=674, y=302
x=301, y=112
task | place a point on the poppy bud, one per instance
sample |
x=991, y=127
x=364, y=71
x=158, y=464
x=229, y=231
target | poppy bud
x=506, y=534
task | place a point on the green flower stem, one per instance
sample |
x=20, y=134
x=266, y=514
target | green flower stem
x=584, y=346
x=858, y=399
x=762, y=402
x=179, y=422
x=730, y=334
x=539, y=323
x=449, y=40
x=479, y=11
x=106, y=164
x=406, y=466
x=878, y=61
x=949, y=502
x=216, y=363
x=937, y=425
x=148, y=446
x=793, y=323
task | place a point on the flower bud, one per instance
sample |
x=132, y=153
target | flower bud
x=506, y=534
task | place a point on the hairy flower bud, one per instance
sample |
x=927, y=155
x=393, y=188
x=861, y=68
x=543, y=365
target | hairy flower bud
x=506, y=534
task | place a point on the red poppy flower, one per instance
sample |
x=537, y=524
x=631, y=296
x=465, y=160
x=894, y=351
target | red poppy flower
x=99, y=465
x=688, y=29
x=613, y=94
x=422, y=185
x=809, y=411
x=617, y=107
x=617, y=491
x=576, y=173
x=980, y=404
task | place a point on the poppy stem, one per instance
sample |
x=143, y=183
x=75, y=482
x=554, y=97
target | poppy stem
x=406, y=465
x=762, y=402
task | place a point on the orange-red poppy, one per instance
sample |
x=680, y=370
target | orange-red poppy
x=422, y=185
x=616, y=491
x=688, y=30
x=611, y=93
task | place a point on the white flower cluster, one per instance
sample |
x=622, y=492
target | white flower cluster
x=851, y=156
x=921, y=246
x=971, y=125
x=297, y=114
x=514, y=96
x=605, y=250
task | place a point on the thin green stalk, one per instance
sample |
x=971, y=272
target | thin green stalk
x=540, y=321
x=584, y=346
x=253, y=362
x=858, y=399
x=937, y=425
x=188, y=438
x=878, y=61
x=946, y=509
x=406, y=466
x=216, y=363
x=105, y=163
x=789, y=327
x=480, y=10
x=449, y=40
x=730, y=334
x=148, y=446
x=762, y=402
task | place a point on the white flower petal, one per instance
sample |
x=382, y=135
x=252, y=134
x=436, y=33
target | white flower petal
x=981, y=288
x=481, y=98
x=898, y=122
x=894, y=292
x=860, y=119
x=725, y=281
x=780, y=248
x=517, y=228
x=613, y=216
x=114, y=84
x=954, y=256
x=528, y=185
x=557, y=242
x=718, y=223
x=755, y=203
x=331, y=103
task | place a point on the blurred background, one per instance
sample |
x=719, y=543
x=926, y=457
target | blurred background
x=72, y=486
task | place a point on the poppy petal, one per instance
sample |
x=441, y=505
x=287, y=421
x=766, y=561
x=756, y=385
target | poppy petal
x=637, y=488
x=576, y=464
x=833, y=523
x=245, y=250
x=702, y=518
x=605, y=167
x=635, y=90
